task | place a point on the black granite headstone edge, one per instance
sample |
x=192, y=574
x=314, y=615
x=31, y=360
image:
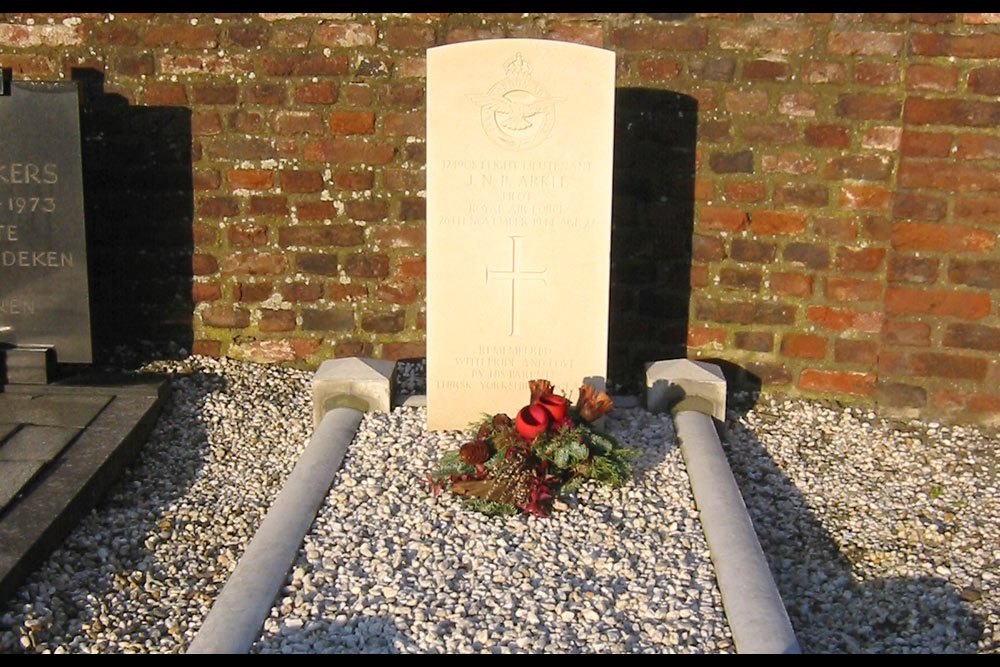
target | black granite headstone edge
x=63, y=494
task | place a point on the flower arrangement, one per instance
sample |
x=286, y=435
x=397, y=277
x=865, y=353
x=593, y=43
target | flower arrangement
x=522, y=464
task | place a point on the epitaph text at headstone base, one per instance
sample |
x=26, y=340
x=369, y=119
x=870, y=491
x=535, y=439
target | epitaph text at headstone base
x=519, y=153
x=44, y=298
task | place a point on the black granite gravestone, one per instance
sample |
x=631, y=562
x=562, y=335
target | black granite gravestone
x=44, y=299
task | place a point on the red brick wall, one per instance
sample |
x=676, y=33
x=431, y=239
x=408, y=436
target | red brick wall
x=847, y=186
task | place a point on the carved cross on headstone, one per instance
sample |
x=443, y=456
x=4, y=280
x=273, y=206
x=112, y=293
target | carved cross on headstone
x=515, y=275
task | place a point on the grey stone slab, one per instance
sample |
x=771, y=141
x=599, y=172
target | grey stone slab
x=14, y=476
x=686, y=384
x=6, y=429
x=37, y=443
x=44, y=295
x=70, y=486
x=51, y=409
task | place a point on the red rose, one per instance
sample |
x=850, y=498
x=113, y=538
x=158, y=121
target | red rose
x=554, y=405
x=531, y=421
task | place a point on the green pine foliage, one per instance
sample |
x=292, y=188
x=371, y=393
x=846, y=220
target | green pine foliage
x=489, y=508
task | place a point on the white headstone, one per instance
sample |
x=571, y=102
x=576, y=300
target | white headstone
x=519, y=154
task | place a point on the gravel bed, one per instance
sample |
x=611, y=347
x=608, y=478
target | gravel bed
x=388, y=568
x=882, y=535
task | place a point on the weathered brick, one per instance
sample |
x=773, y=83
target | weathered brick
x=915, y=236
x=248, y=36
x=898, y=395
x=971, y=113
x=317, y=210
x=814, y=72
x=755, y=341
x=756, y=37
x=326, y=235
x=847, y=351
x=245, y=121
x=702, y=336
x=323, y=265
x=876, y=74
x=985, y=81
x=864, y=43
x=141, y=65
x=400, y=236
x=300, y=291
x=250, y=179
x=265, y=93
x=658, y=69
x=367, y=210
x=972, y=337
x=768, y=373
x=218, y=207
x=355, y=180
x=777, y=222
x=975, y=18
x=801, y=194
x=910, y=206
x=729, y=163
x=864, y=197
x=752, y=102
x=975, y=272
x=411, y=267
x=960, y=46
x=913, y=334
x=925, y=144
x=713, y=69
x=254, y=264
x=837, y=229
x=945, y=175
x=365, y=265
x=884, y=138
x=861, y=384
x=411, y=124
x=740, y=279
x=769, y=70
x=215, y=94
x=934, y=364
x=384, y=322
x=839, y=288
x=803, y=346
x=247, y=236
x=789, y=163
x=704, y=189
x=974, y=402
x=206, y=348
x=252, y=292
x=864, y=260
x=346, y=151
x=399, y=293
x=868, y=106
x=301, y=181
x=707, y=248
x=205, y=124
x=802, y=105
x=225, y=317
x=183, y=36
x=791, y=284
x=745, y=312
x=660, y=38
x=352, y=122
x=316, y=93
x=808, y=254
x=931, y=77
x=904, y=269
x=404, y=350
x=769, y=133
x=978, y=209
x=161, y=94
x=745, y=192
x=408, y=37
x=285, y=64
x=276, y=320
x=327, y=319
x=698, y=276
x=721, y=218
x=977, y=147
x=752, y=251
x=939, y=303
x=203, y=265
x=345, y=35
x=828, y=136
x=861, y=167
x=297, y=122
x=845, y=319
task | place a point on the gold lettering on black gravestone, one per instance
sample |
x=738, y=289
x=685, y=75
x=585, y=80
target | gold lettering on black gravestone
x=44, y=297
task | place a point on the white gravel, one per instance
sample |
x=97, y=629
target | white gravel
x=883, y=536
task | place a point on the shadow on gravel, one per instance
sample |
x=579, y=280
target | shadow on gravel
x=830, y=609
x=107, y=573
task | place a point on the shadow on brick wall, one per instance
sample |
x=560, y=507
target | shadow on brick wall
x=138, y=201
x=651, y=226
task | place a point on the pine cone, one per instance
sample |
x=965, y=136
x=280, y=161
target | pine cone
x=501, y=421
x=474, y=453
x=484, y=432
